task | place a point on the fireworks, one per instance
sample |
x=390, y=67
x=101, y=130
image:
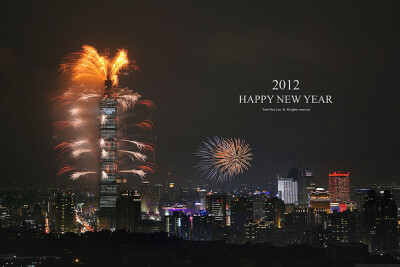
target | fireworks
x=84, y=115
x=223, y=158
x=90, y=64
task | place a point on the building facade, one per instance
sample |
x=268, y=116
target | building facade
x=288, y=190
x=306, y=186
x=108, y=159
x=64, y=212
x=128, y=211
x=339, y=190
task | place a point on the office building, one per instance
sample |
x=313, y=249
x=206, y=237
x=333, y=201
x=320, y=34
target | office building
x=108, y=159
x=380, y=230
x=241, y=214
x=288, y=190
x=217, y=206
x=64, y=212
x=202, y=228
x=274, y=211
x=339, y=191
x=306, y=185
x=128, y=211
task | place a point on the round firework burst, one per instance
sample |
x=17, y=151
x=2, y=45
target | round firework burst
x=223, y=158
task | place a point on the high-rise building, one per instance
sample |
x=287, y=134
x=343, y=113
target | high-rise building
x=256, y=232
x=216, y=206
x=258, y=206
x=341, y=227
x=241, y=214
x=288, y=190
x=202, y=228
x=128, y=211
x=108, y=158
x=339, y=191
x=64, y=212
x=178, y=224
x=306, y=184
x=274, y=211
x=380, y=230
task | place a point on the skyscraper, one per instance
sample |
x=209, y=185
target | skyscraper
x=202, y=228
x=380, y=231
x=216, y=206
x=274, y=210
x=306, y=184
x=241, y=214
x=128, y=211
x=108, y=158
x=64, y=212
x=288, y=190
x=178, y=224
x=339, y=191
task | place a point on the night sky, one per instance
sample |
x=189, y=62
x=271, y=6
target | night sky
x=196, y=58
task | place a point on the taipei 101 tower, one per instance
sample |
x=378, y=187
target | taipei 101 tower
x=108, y=158
x=88, y=67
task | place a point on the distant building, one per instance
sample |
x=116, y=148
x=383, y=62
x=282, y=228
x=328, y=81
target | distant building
x=380, y=230
x=339, y=190
x=178, y=224
x=64, y=212
x=274, y=211
x=258, y=206
x=257, y=232
x=288, y=190
x=342, y=227
x=202, y=228
x=149, y=226
x=128, y=211
x=319, y=200
x=216, y=206
x=359, y=197
x=306, y=185
x=241, y=214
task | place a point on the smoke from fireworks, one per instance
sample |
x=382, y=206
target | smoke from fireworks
x=223, y=158
x=89, y=69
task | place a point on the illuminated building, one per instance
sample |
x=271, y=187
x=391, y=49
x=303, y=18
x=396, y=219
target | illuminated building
x=64, y=212
x=274, y=211
x=202, y=228
x=216, y=206
x=320, y=201
x=108, y=159
x=339, y=191
x=258, y=206
x=341, y=227
x=128, y=211
x=380, y=230
x=256, y=232
x=178, y=224
x=306, y=185
x=241, y=214
x=288, y=191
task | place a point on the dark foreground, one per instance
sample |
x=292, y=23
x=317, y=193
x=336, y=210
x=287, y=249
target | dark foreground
x=27, y=248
